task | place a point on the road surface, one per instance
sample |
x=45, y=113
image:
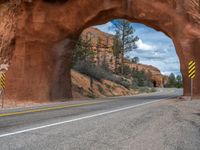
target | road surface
x=113, y=123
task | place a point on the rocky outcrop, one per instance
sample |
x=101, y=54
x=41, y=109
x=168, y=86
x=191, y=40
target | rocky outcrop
x=102, y=45
x=46, y=31
x=157, y=78
x=7, y=33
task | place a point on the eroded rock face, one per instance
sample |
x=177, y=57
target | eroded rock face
x=46, y=31
x=156, y=77
x=7, y=33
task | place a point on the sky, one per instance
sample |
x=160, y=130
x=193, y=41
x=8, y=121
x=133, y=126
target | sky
x=154, y=48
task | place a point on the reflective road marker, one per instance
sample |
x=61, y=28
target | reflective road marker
x=191, y=74
x=2, y=87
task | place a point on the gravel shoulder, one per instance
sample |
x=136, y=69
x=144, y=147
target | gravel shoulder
x=171, y=125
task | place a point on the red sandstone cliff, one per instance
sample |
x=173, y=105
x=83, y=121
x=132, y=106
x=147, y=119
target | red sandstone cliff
x=7, y=33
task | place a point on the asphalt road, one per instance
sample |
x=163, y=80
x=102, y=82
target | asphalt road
x=101, y=126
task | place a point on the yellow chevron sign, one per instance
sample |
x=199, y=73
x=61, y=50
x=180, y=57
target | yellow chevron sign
x=2, y=80
x=191, y=69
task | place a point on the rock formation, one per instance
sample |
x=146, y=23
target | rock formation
x=7, y=33
x=46, y=31
x=102, y=45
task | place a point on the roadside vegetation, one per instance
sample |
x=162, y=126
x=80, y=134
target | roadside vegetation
x=174, y=81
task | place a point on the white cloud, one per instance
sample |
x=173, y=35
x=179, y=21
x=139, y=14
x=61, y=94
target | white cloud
x=143, y=46
x=106, y=28
x=162, y=56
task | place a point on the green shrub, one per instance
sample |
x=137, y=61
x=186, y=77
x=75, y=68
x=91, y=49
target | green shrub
x=83, y=50
x=98, y=73
x=91, y=95
x=89, y=69
x=119, y=80
x=141, y=79
x=146, y=90
x=153, y=90
x=100, y=89
x=127, y=70
x=174, y=81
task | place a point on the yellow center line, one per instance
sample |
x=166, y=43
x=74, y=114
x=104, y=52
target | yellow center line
x=49, y=108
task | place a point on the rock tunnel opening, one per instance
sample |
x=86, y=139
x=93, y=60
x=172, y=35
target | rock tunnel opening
x=155, y=52
x=154, y=83
x=40, y=29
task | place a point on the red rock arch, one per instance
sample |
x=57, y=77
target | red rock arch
x=45, y=34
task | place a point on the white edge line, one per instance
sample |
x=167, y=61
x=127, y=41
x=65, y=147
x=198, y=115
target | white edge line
x=77, y=119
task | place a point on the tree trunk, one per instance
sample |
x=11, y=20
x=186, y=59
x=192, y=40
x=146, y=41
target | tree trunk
x=122, y=63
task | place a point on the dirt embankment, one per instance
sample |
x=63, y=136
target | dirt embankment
x=82, y=87
x=171, y=125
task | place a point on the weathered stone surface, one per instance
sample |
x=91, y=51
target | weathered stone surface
x=37, y=66
x=102, y=44
x=7, y=33
x=156, y=77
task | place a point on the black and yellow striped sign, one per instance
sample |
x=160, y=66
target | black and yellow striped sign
x=191, y=69
x=2, y=80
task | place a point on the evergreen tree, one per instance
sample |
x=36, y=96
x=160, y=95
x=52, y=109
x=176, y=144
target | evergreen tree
x=116, y=52
x=98, y=50
x=171, y=80
x=141, y=78
x=124, y=31
x=83, y=51
x=135, y=60
x=179, y=81
x=174, y=81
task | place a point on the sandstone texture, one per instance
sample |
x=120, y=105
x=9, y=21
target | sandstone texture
x=7, y=33
x=46, y=30
x=157, y=78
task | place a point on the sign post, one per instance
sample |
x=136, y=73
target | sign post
x=191, y=75
x=2, y=85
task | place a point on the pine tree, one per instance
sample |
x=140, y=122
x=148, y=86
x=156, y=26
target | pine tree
x=124, y=31
x=171, y=81
x=116, y=52
x=83, y=51
x=98, y=50
x=135, y=60
x=179, y=81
